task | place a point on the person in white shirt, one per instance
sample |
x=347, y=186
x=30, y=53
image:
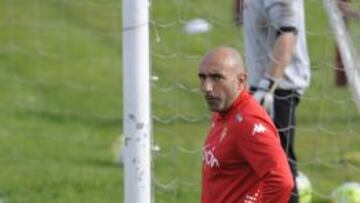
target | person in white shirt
x=278, y=62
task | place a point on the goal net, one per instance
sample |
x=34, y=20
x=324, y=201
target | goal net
x=61, y=99
x=327, y=133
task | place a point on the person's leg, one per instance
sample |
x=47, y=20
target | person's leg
x=284, y=118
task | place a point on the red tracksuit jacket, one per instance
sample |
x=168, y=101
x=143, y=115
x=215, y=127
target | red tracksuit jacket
x=243, y=158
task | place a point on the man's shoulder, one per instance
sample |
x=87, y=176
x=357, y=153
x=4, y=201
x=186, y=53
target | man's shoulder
x=248, y=119
x=251, y=114
x=251, y=108
x=252, y=126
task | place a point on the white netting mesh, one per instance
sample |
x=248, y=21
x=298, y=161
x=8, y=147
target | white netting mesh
x=61, y=99
x=327, y=131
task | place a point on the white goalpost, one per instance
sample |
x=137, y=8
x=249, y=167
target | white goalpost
x=347, y=51
x=137, y=124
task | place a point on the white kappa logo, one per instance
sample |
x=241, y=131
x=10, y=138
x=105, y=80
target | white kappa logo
x=258, y=128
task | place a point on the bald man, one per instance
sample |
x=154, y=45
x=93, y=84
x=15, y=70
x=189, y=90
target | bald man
x=243, y=160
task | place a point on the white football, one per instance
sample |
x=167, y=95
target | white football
x=348, y=192
x=304, y=188
x=117, y=148
x=196, y=26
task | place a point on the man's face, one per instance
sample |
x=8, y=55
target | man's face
x=219, y=85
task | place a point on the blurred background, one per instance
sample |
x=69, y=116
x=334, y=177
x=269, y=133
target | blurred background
x=61, y=100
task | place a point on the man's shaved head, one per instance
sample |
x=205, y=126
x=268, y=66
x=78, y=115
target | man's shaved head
x=223, y=77
x=226, y=57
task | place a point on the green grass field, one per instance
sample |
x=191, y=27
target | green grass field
x=61, y=101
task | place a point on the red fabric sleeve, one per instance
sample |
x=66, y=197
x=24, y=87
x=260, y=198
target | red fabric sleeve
x=259, y=144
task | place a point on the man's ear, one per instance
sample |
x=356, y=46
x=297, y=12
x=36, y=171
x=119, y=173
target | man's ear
x=242, y=79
